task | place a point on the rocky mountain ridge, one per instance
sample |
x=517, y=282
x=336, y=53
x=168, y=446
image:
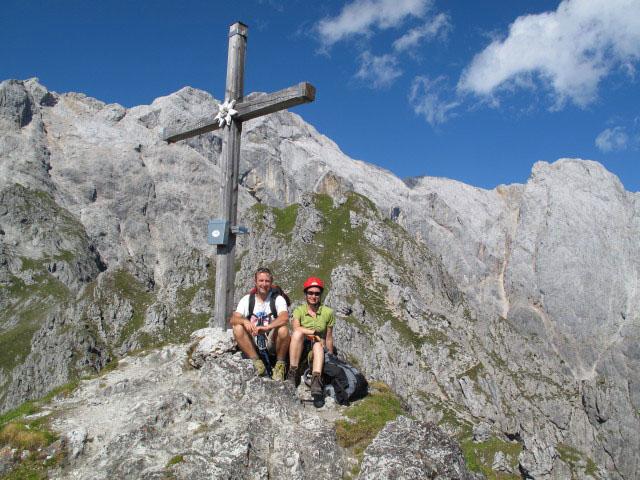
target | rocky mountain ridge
x=154, y=417
x=515, y=308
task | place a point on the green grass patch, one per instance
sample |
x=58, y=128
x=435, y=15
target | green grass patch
x=368, y=417
x=450, y=420
x=286, y=220
x=18, y=435
x=186, y=295
x=572, y=457
x=127, y=287
x=258, y=219
x=342, y=243
x=458, y=427
x=435, y=337
x=64, y=390
x=473, y=372
x=479, y=457
x=27, y=408
x=410, y=337
x=372, y=300
x=65, y=256
x=109, y=367
x=355, y=322
x=30, y=305
x=354, y=361
x=34, y=467
x=175, y=460
x=182, y=325
x=498, y=361
x=470, y=318
x=337, y=243
x=29, y=470
x=353, y=472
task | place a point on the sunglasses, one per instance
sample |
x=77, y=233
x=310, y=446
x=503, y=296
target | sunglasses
x=315, y=293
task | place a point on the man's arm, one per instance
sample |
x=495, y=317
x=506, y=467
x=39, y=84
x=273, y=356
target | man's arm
x=238, y=319
x=281, y=319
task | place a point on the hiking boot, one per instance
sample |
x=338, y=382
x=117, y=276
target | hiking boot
x=292, y=375
x=278, y=371
x=261, y=370
x=316, y=385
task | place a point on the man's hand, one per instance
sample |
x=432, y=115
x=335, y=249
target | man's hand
x=249, y=327
x=259, y=330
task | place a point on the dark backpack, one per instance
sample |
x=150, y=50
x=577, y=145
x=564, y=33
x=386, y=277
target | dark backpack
x=342, y=380
x=275, y=292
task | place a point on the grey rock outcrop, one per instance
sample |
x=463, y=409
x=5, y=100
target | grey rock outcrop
x=152, y=417
x=407, y=449
x=156, y=417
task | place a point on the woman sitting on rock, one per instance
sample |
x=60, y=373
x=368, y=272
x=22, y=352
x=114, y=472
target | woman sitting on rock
x=312, y=325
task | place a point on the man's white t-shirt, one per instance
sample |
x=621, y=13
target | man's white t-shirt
x=261, y=310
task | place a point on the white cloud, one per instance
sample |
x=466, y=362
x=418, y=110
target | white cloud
x=360, y=16
x=428, y=98
x=612, y=139
x=439, y=25
x=382, y=71
x=570, y=50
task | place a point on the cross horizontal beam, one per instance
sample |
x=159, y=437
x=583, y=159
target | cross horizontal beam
x=264, y=104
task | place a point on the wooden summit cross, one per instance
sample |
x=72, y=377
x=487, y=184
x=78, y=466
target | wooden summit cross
x=229, y=117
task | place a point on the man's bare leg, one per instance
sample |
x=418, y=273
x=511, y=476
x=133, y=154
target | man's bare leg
x=282, y=342
x=244, y=341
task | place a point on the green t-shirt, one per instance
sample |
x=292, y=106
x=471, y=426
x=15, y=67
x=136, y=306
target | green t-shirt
x=324, y=318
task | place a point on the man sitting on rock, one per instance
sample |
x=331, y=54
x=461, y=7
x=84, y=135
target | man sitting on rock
x=248, y=325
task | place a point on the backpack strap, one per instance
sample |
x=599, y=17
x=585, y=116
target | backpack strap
x=252, y=304
x=272, y=304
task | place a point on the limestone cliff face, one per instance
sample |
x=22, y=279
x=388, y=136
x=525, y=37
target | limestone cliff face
x=515, y=308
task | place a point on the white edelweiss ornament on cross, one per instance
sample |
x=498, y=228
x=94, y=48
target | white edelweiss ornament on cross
x=226, y=113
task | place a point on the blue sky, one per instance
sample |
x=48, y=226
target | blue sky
x=473, y=91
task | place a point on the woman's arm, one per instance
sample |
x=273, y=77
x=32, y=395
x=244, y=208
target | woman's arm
x=297, y=326
x=329, y=339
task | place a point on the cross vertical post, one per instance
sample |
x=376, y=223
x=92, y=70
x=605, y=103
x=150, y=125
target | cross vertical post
x=229, y=118
x=229, y=166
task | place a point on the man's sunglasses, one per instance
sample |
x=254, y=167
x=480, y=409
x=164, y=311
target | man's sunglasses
x=315, y=293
